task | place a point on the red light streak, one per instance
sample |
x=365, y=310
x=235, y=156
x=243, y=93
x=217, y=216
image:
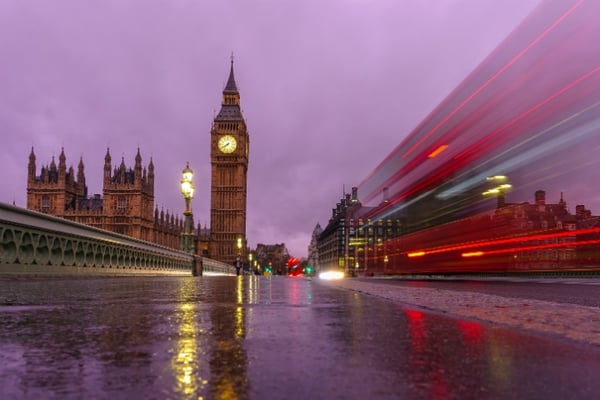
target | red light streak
x=517, y=239
x=543, y=246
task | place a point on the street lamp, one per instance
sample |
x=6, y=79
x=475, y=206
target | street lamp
x=502, y=185
x=187, y=190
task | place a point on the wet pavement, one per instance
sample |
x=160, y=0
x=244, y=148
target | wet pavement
x=266, y=338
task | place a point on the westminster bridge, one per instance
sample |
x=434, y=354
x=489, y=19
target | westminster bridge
x=40, y=244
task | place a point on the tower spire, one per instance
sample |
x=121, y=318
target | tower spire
x=31, y=166
x=80, y=172
x=107, y=167
x=231, y=86
x=62, y=163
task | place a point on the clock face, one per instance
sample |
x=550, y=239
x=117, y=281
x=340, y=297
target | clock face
x=227, y=144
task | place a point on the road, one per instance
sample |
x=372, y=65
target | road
x=269, y=338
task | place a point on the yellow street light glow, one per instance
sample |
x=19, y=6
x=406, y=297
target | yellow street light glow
x=187, y=187
x=416, y=254
x=498, y=189
x=491, y=191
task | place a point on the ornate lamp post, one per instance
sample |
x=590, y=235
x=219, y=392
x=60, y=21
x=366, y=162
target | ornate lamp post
x=187, y=190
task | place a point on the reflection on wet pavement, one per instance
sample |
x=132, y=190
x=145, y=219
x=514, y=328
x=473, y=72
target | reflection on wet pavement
x=257, y=338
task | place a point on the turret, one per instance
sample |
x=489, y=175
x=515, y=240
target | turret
x=107, y=167
x=151, y=175
x=138, y=167
x=31, y=167
x=122, y=171
x=44, y=176
x=53, y=172
x=70, y=178
x=62, y=164
x=80, y=173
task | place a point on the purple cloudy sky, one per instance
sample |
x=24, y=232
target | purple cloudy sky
x=328, y=88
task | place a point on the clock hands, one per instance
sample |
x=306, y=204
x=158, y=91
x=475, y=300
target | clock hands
x=227, y=144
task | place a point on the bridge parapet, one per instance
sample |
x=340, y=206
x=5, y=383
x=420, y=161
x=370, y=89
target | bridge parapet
x=214, y=267
x=36, y=243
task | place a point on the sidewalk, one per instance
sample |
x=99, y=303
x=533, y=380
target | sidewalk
x=575, y=322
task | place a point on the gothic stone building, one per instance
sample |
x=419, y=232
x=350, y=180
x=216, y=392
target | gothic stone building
x=126, y=205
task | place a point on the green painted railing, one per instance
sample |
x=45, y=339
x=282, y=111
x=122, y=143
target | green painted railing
x=36, y=243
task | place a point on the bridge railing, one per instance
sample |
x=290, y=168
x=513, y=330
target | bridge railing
x=214, y=267
x=36, y=243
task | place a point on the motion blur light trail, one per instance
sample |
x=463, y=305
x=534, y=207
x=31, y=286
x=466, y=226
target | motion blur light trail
x=529, y=113
x=564, y=57
x=493, y=78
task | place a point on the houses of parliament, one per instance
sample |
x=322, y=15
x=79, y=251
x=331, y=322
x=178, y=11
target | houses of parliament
x=126, y=205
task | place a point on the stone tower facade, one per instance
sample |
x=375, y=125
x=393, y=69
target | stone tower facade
x=229, y=148
x=56, y=190
x=129, y=198
x=126, y=206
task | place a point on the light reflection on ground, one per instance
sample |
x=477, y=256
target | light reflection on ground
x=251, y=337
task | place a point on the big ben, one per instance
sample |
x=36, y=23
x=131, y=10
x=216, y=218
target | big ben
x=229, y=169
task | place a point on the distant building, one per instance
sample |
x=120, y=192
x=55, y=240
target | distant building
x=126, y=205
x=343, y=242
x=313, y=248
x=273, y=256
x=538, y=235
x=527, y=218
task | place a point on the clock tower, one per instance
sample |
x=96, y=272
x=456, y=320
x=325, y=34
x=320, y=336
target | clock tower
x=229, y=145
